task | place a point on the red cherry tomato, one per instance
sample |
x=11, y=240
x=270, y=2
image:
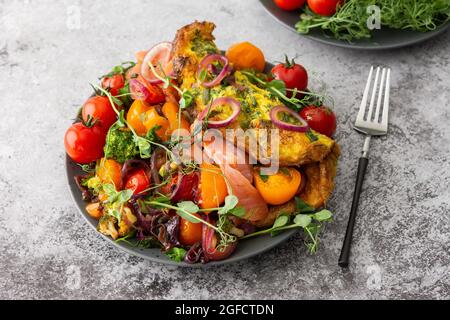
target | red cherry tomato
x=138, y=181
x=113, y=84
x=320, y=119
x=155, y=93
x=294, y=75
x=324, y=7
x=84, y=144
x=100, y=109
x=289, y=5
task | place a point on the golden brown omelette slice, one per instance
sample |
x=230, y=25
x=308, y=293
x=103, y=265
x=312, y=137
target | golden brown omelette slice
x=195, y=41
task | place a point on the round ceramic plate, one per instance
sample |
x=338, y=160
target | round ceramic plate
x=382, y=39
x=245, y=249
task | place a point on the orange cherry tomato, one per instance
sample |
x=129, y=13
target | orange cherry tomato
x=136, y=116
x=245, y=55
x=278, y=188
x=190, y=233
x=171, y=112
x=213, y=187
x=110, y=171
x=153, y=119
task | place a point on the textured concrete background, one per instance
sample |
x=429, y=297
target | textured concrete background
x=401, y=247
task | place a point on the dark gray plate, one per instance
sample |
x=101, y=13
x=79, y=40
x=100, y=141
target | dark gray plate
x=245, y=249
x=382, y=39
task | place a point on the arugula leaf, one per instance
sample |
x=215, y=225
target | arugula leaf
x=176, y=254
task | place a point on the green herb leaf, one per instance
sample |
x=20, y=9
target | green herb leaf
x=121, y=121
x=231, y=202
x=263, y=177
x=186, y=99
x=311, y=136
x=303, y=207
x=281, y=221
x=176, y=254
x=324, y=215
x=302, y=220
x=238, y=212
x=144, y=147
x=188, y=206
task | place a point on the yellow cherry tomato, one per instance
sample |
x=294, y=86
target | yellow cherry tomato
x=245, y=55
x=278, y=188
x=136, y=116
x=110, y=171
x=153, y=119
x=213, y=187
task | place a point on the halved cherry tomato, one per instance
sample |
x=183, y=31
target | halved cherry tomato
x=190, y=233
x=110, y=171
x=84, y=143
x=100, y=110
x=245, y=55
x=324, y=7
x=292, y=74
x=156, y=94
x=113, y=84
x=138, y=181
x=213, y=187
x=289, y=4
x=320, y=119
x=278, y=188
x=152, y=120
x=171, y=111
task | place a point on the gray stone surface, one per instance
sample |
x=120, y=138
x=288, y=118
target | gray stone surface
x=401, y=247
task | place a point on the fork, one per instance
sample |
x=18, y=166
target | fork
x=371, y=125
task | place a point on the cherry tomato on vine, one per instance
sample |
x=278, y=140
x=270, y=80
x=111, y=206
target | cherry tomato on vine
x=324, y=7
x=99, y=109
x=138, y=181
x=113, y=84
x=84, y=142
x=289, y=5
x=320, y=119
x=292, y=74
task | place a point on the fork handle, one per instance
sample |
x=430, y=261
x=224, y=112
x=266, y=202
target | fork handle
x=345, y=252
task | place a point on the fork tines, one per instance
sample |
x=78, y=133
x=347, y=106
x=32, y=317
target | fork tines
x=367, y=121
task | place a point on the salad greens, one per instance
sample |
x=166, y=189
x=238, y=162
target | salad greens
x=350, y=20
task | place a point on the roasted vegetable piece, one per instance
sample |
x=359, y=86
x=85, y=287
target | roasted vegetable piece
x=212, y=187
x=94, y=210
x=280, y=187
x=110, y=171
x=245, y=55
x=190, y=233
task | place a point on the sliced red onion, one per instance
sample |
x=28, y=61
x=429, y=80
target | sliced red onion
x=302, y=127
x=206, y=64
x=159, y=55
x=138, y=90
x=209, y=244
x=235, y=105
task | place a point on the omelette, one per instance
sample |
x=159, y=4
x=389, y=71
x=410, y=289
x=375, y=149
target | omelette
x=317, y=158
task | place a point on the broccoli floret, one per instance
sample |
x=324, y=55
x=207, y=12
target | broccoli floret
x=120, y=145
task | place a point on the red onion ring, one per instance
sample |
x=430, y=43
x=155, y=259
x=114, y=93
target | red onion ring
x=303, y=127
x=165, y=62
x=206, y=63
x=138, y=90
x=235, y=105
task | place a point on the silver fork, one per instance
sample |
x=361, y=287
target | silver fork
x=369, y=124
